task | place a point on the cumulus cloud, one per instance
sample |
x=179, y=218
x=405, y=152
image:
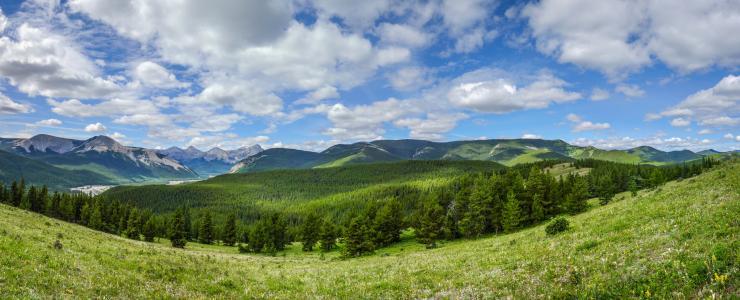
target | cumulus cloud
x=40, y=62
x=531, y=136
x=49, y=122
x=432, y=127
x=490, y=91
x=8, y=106
x=409, y=78
x=95, y=128
x=718, y=106
x=680, y=122
x=598, y=94
x=323, y=93
x=105, y=108
x=619, y=37
x=583, y=125
x=631, y=91
x=154, y=75
x=403, y=35
x=657, y=141
x=365, y=122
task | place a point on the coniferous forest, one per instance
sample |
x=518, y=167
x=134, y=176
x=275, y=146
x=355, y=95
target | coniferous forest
x=476, y=202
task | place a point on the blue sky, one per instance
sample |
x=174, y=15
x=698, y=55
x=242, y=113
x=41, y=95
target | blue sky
x=310, y=74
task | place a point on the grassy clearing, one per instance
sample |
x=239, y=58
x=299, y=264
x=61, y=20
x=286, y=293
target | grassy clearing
x=677, y=241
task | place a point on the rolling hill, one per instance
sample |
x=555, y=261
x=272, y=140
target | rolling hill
x=679, y=241
x=507, y=152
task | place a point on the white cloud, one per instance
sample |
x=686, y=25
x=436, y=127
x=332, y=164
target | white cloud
x=323, y=93
x=105, y=108
x=3, y=21
x=432, y=127
x=465, y=21
x=357, y=14
x=618, y=37
x=96, y=127
x=365, y=122
x=680, y=122
x=728, y=136
x=718, y=106
x=487, y=91
x=631, y=91
x=39, y=62
x=660, y=142
x=402, y=35
x=49, y=122
x=531, y=136
x=598, y=94
x=409, y=78
x=705, y=131
x=583, y=125
x=8, y=106
x=154, y=75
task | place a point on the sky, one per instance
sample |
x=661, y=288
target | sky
x=304, y=74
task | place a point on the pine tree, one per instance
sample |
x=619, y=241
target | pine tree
x=310, y=231
x=538, y=209
x=149, y=230
x=632, y=186
x=431, y=224
x=39, y=203
x=29, y=198
x=576, y=199
x=258, y=236
x=328, y=236
x=177, y=229
x=358, y=240
x=205, y=234
x=472, y=224
x=96, y=217
x=132, y=226
x=15, y=194
x=511, y=214
x=388, y=223
x=229, y=234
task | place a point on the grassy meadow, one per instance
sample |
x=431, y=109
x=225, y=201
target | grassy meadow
x=678, y=241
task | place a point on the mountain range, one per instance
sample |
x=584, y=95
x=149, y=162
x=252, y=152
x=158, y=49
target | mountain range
x=505, y=151
x=212, y=162
x=64, y=163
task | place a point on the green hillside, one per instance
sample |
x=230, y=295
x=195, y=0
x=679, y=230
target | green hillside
x=505, y=151
x=326, y=189
x=14, y=167
x=678, y=241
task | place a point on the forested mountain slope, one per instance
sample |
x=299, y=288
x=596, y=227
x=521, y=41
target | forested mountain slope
x=14, y=167
x=505, y=151
x=677, y=241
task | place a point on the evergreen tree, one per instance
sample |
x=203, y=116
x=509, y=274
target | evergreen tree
x=388, y=223
x=190, y=230
x=177, y=229
x=39, y=202
x=16, y=194
x=576, y=199
x=328, y=236
x=205, y=234
x=511, y=214
x=30, y=198
x=632, y=186
x=538, y=209
x=258, y=236
x=132, y=226
x=149, y=230
x=96, y=217
x=472, y=224
x=358, y=238
x=310, y=231
x=229, y=234
x=431, y=224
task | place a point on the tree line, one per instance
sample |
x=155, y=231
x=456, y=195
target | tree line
x=474, y=204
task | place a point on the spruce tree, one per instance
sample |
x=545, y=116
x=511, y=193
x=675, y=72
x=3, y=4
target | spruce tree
x=431, y=224
x=15, y=194
x=358, y=238
x=388, y=223
x=177, y=229
x=29, y=199
x=258, y=236
x=149, y=230
x=511, y=214
x=538, y=209
x=328, y=236
x=229, y=233
x=576, y=199
x=309, y=231
x=96, y=217
x=132, y=226
x=472, y=224
x=205, y=234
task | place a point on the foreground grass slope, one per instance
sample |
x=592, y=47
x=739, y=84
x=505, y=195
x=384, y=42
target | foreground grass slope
x=678, y=241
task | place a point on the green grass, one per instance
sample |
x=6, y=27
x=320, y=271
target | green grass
x=665, y=243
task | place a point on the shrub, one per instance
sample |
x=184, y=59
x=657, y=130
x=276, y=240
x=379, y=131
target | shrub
x=556, y=226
